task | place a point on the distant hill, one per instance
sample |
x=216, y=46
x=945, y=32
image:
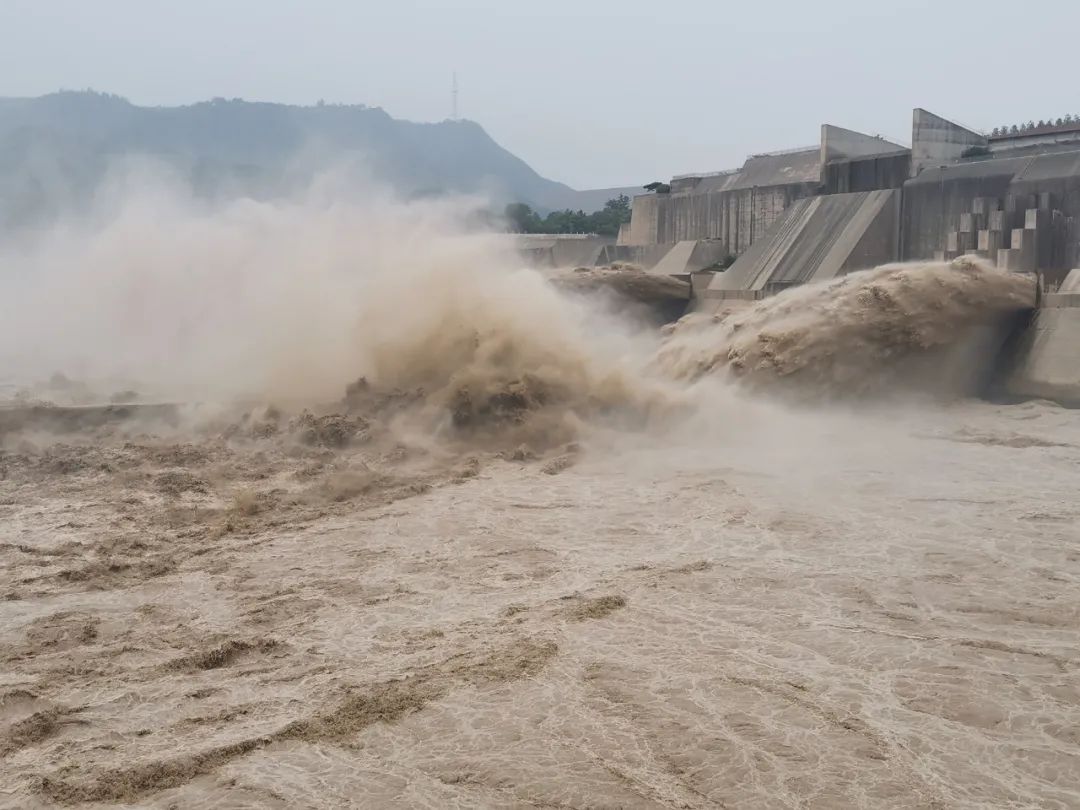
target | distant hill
x=55, y=149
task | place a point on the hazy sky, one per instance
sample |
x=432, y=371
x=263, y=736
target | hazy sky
x=590, y=92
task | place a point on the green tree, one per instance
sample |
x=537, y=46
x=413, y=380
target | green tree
x=615, y=212
x=520, y=218
x=619, y=207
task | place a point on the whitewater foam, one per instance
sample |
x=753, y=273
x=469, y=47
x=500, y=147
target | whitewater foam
x=291, y=301
x=920, y=327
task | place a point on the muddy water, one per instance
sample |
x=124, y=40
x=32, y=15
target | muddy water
x=770, y=610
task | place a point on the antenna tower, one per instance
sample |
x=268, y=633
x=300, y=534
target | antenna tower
x=453, y=99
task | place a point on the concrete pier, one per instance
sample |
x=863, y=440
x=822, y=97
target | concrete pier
x=1047, y=355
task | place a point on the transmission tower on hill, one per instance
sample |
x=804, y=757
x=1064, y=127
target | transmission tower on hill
x=453, y=99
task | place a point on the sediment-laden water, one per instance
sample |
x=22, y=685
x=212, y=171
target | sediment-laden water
x=538, y=555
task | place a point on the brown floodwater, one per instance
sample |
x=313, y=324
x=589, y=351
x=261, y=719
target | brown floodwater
x=539, y=557
x=777, y=609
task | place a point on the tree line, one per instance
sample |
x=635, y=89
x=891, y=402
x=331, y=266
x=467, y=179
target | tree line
x=521, y=218
x=1020, y=129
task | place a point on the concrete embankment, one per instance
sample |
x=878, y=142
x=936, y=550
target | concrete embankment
x=1046, y=354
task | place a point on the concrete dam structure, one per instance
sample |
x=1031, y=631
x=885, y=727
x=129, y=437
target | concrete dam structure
x=560, y=250
x=1013, y=199
x=815, y=239
x=856, y=201
x=737, y=207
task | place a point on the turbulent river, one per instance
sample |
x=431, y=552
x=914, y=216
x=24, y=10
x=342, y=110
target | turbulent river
x=536, y=555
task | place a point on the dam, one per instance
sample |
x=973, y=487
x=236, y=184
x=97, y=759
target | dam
x=854, y=201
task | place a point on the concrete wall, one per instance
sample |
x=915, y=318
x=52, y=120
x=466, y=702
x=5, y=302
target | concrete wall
x=879, y=242
x=579, y=252
x=817, y=239
x=1047, y=360
x=936, y=141
x=837, y=142
x=644, y=219
x=1058, y=177
x=691, y=256
x=734, y=217
x=935, y=201
x=559, y=250
x=867, y=173
x=734, y=207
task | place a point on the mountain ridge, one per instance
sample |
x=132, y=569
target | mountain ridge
x=68, y=138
